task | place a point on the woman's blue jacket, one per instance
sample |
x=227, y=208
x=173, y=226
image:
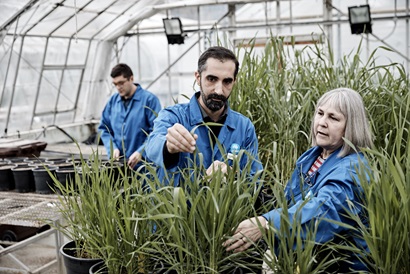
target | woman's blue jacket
x=326, y=195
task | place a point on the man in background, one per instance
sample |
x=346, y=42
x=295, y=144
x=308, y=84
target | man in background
x=128, y=117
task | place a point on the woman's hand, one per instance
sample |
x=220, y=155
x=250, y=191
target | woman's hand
x=247, y=233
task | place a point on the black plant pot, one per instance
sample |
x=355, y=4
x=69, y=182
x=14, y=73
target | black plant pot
x=43, y=181
x=73, y=264
x=114, y=170
x=23, y=178
x=6, y=177
x=66, y=176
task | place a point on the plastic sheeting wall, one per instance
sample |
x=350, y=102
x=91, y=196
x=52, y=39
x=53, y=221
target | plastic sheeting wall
x=56, y=71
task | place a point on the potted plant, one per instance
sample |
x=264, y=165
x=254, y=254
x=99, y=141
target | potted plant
x=74, y=261
x=78, y=222
x=99, y=213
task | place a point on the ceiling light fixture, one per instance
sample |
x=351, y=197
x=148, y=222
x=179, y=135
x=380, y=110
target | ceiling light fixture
x=360, y=19
x=174, y=31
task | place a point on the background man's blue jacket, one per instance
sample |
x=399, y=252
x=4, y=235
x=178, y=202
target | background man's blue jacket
x=128, y=127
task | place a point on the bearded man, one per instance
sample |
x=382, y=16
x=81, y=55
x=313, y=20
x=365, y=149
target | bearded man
x=180, y=129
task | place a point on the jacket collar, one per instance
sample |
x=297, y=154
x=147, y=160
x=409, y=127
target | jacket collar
x=307, y=160
x=136, y=96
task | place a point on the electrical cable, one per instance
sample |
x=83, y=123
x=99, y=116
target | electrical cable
x=59, y=128
x=377, y=39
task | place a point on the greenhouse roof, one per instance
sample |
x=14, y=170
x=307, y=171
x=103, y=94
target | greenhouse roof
x=55, y=55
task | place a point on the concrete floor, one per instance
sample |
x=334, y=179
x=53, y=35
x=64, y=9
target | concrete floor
x=33, y=256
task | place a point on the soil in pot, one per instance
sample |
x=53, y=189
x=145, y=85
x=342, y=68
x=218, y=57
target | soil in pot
x=64, y=165
x=23, y=178
x=77, y=161
x=158, y=266
x=73, y=264
x=22, y=163
x=6, y=177
x=44, y=184
x=37, y=161
x=17, y=159
x=56, y=161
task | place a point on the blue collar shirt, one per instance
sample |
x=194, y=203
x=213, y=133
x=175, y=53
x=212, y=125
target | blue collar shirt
x=127, y=127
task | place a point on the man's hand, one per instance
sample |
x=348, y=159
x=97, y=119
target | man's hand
x=134, y=159
x=179, y=139
x=247, y=233
x=215, y=166
x=116, y=154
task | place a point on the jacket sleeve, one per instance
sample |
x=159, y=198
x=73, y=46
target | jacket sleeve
x=105, y=130
x=156, y=140
x=152, y=109
x=328, y=206
x=252, y=148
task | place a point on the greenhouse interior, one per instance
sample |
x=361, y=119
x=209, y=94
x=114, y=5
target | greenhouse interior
x=140, y=191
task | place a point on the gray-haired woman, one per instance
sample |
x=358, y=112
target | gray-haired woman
x=325, y=180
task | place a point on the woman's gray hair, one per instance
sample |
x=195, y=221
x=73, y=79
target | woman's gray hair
x=357, y=130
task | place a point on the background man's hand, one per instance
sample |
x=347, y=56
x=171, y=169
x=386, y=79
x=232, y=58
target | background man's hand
x=116, y=154
x=179, y=139
x=134, y=159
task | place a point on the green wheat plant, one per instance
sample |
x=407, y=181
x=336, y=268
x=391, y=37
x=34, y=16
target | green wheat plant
x=387, y=197
x=136, y=223
x=387, y=227
x=99, y=210
x=199, y=215
x=278, y=87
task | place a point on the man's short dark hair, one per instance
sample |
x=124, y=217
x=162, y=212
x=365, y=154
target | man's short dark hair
x=220, y=53
x=121, y=69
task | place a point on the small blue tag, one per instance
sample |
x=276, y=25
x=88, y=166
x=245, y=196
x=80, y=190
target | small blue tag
x=235, y=148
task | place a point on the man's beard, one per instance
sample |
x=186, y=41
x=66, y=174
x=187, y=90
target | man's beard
x=210, y=102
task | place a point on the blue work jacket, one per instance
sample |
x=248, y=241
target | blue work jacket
x=326, y=194
x=128, y=127
x=237, y=133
